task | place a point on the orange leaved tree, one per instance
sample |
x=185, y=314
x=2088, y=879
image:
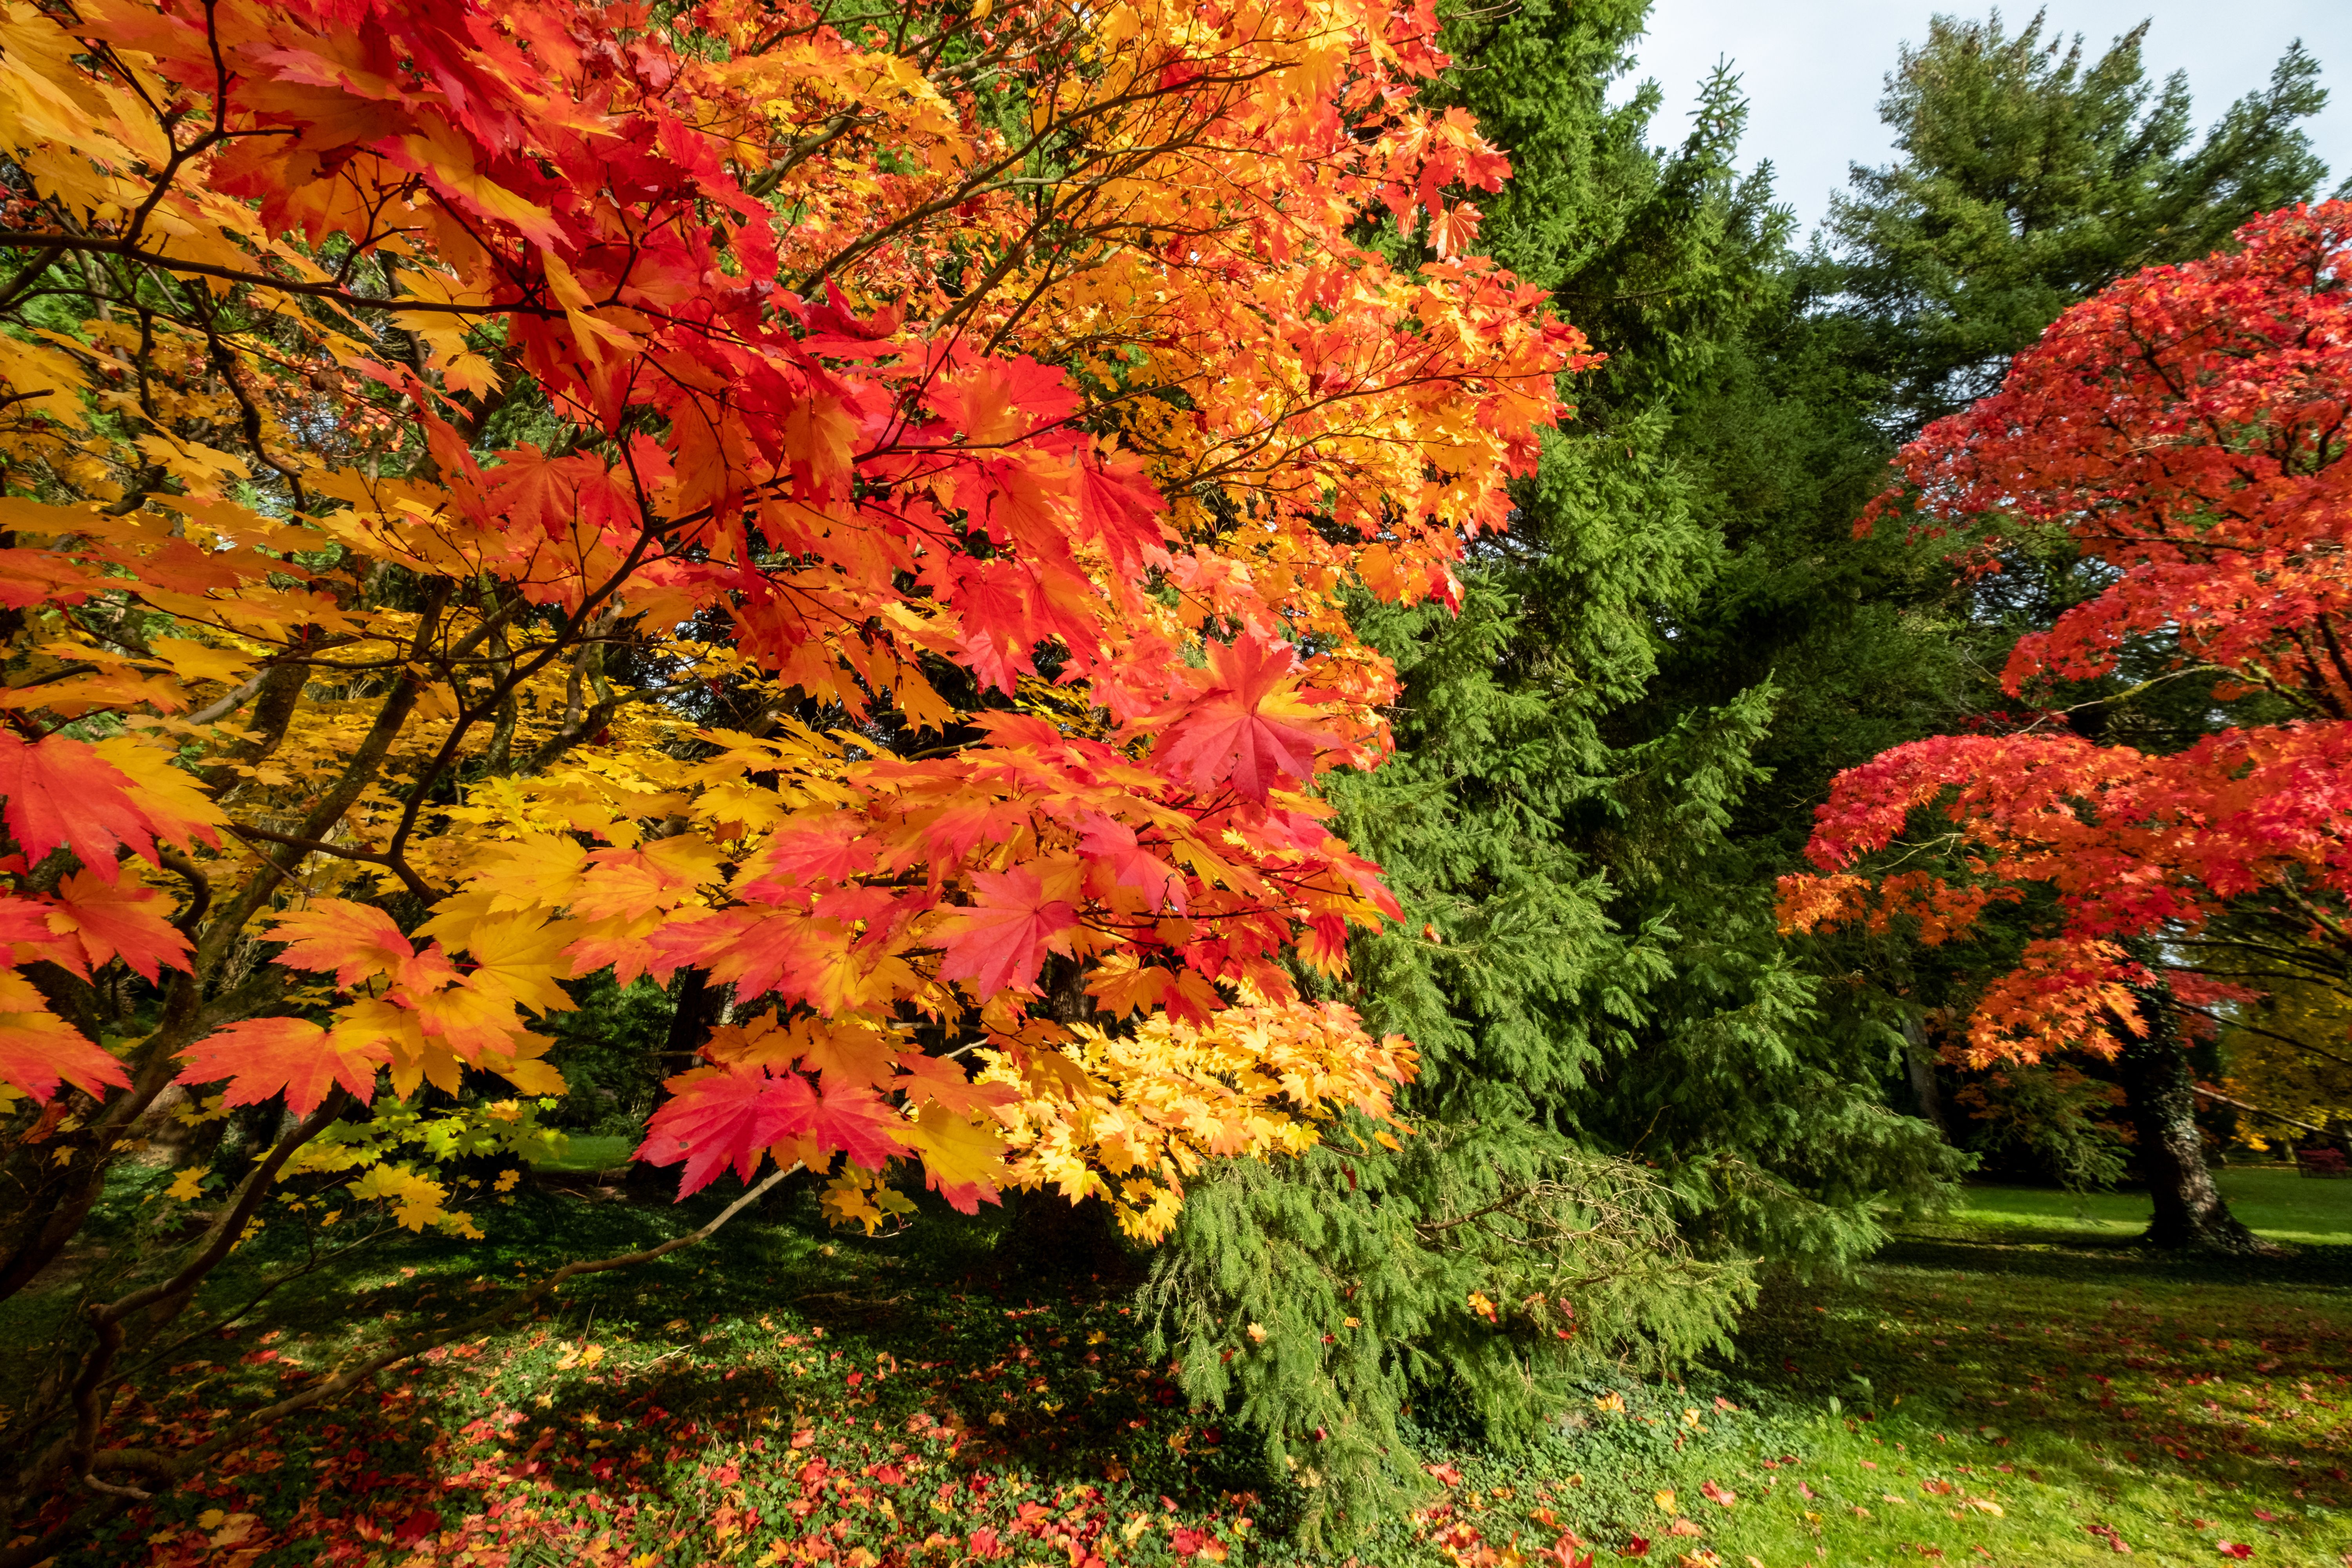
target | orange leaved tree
x=2186, y=433
x=844, y=512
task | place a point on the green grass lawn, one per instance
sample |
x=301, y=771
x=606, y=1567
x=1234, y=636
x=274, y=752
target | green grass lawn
x=2273, y=1202
x=1974, y=1398
x=591, y=1153
x=2006, y=1386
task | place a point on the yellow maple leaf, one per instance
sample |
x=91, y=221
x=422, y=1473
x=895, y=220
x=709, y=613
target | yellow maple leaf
x=417, y=1200
x=956, y=1151
x=520, y=955
x=201, y=661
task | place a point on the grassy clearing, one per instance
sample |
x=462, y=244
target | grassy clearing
x=1991, y=1397
x=2272, y=1201
x=2010, y=1390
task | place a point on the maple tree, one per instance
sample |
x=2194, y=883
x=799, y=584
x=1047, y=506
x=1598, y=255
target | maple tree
x=2183, y=431
x=852, y=506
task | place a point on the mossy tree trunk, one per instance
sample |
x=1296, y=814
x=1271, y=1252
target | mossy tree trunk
x=2160, y=1093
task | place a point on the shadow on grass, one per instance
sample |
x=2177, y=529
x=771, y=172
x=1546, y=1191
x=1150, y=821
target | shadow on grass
x=2054, y=1253
x=2096, y=1365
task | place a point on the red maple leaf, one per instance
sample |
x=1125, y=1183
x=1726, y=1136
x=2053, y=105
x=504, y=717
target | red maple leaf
x=1000, y=943
x=829, y=849
x=1121, y=505
x=22, y=920
x=530, y=490
x=1111, y=844
x=849, y=1117
x=1247, y=723
x=263, y=1057
x=999, y=628
x=716, y=1117
x=755, y=950
x=1190, y=1542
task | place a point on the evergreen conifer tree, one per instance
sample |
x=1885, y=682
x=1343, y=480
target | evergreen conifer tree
x=2029, y=179
x=1630, y=1094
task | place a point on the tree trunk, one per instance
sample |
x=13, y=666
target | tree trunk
x=2160, y=1093
x=1919, y=1066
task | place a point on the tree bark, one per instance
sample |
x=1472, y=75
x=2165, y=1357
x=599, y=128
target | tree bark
x=1919, y=1066
x=2160, y=1090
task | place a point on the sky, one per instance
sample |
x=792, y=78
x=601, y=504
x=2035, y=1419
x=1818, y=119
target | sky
x=1814, y=70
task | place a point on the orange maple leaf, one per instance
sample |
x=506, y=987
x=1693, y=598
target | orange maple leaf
x=37, y=1048
x=94, y=920
x=355, y=941
x=934, y=1079
x=1112, y=845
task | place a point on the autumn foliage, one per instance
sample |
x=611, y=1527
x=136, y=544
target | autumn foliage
x=503, y=492
x=2185, y=430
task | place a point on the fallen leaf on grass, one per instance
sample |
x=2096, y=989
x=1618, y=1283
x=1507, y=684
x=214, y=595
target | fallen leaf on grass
x=2235, y=1549
x=1717, y=1494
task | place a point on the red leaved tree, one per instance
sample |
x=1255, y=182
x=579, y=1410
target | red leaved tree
x=2186, y=432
